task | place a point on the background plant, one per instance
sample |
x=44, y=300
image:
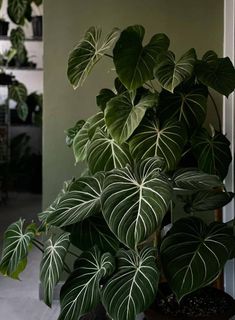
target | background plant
x=144, y=149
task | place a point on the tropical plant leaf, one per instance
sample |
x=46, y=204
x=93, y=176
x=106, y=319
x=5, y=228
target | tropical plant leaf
x=82, y=139
x=104, y=96
x=188, y=106
x=133, y=287
x=104, y=153
x=15, y=249
x=133, y=204
x=22, y=110
x=209, y=200
x=81, y=292
x=80, y=202
x=17, y=38
x=93, y=231
x=71, y=132
x=16, y=10
x=212, y=152
x=194, y=179
x=123, y=115
x=217, y=73
x=86, y=54
x=153, y=139
x=171, y=73
x=52, y=264
x=135, y=63
x=18, y=92
x=193, y=254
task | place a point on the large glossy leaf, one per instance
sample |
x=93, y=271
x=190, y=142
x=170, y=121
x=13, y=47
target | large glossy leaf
x=134, y=62
x=81, y=292
x=194, y=179
x=81, y=201
x=209, y=200
x=188, y=106
x=82, y=139
x=193, y=254
x=134, y=202
x=87, y=53
x=153, y=139
x=217, y=73
x=93, y=231
x=16, y=10
x=18, y=92
x=15, y=249
x=123, y=115
x=133, y=287
x=103, y=97
x=52, y=264
x=104, y=153
x=171, y=73
x=212, y=152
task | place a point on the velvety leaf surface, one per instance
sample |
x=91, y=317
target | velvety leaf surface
x=16, y=10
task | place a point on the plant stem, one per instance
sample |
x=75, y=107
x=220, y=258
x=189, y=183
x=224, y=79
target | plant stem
x=66, y=268
x=217, y=111
x=39, y=242
x=73, y=254
x=108, y=55
x=37, y=246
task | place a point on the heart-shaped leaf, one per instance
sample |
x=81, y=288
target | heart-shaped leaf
x=104, y=153
x=93, y=231
x=193, y=254
x=82, y=139
x=17, y=38
x=81, y=292
x=171, y=73
x=212, y=152
x=194, y=179
x=81, y=201
x=122, y=115
x=188, y=106
x=104, y=96
x=87, y=53
x=164, y=141
x=22, y=110
x=16, y=10
x=15, y=249
x=71, y=132
x=135, y=201
x=133, y=287
x=18, y=92
x=52, y=264
x=217, y=73
x=135, y=63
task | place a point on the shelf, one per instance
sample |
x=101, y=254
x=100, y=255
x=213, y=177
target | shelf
x=23, y=69
x=6, y=38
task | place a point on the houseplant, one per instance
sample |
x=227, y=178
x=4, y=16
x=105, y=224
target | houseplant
x=144, y=149
x=20, y=11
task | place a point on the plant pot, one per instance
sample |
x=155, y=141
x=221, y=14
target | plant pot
x=37, y=26
x=4, y=25
x=211, y=304
x=6, y=79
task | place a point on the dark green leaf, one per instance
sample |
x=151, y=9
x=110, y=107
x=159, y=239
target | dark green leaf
x=134, y=63
x=22, y=110
x=17, y=38
x=171, y=73
x=133, y=287
x=210, y=200
x=18, y=92
x=193, y=254
x=71, y=132
x=104, y=96
x=81, y=292
x=16, y=10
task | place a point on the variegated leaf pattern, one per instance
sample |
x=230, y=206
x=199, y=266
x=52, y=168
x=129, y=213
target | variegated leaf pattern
x=134, y=62
x=71, y=132
x=18, y=92
x=82, y=139
x=52, y=264
x=194, y=179
x=135, y=201
x=165, y=141
x=16, y=10
x=80, y=202
x=81, y=292
x=104, y=153
x=87, y=53
x=15, y=249
x=171, y=73
x=122, y=115
x=193, y=254
x=212, y=152
x=93, y=231
x=133, y=287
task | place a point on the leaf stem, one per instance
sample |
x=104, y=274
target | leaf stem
x=73, y=254
x=37, y=246
x=108, y=55
x=216, y=110
x=66, y=268
x=39, y=242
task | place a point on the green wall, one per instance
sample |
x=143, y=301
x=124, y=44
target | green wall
x=188, y=23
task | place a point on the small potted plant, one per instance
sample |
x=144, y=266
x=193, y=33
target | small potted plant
x=147, y=154
x=4, y=25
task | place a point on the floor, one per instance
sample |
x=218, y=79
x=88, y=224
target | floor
x=19, y=300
